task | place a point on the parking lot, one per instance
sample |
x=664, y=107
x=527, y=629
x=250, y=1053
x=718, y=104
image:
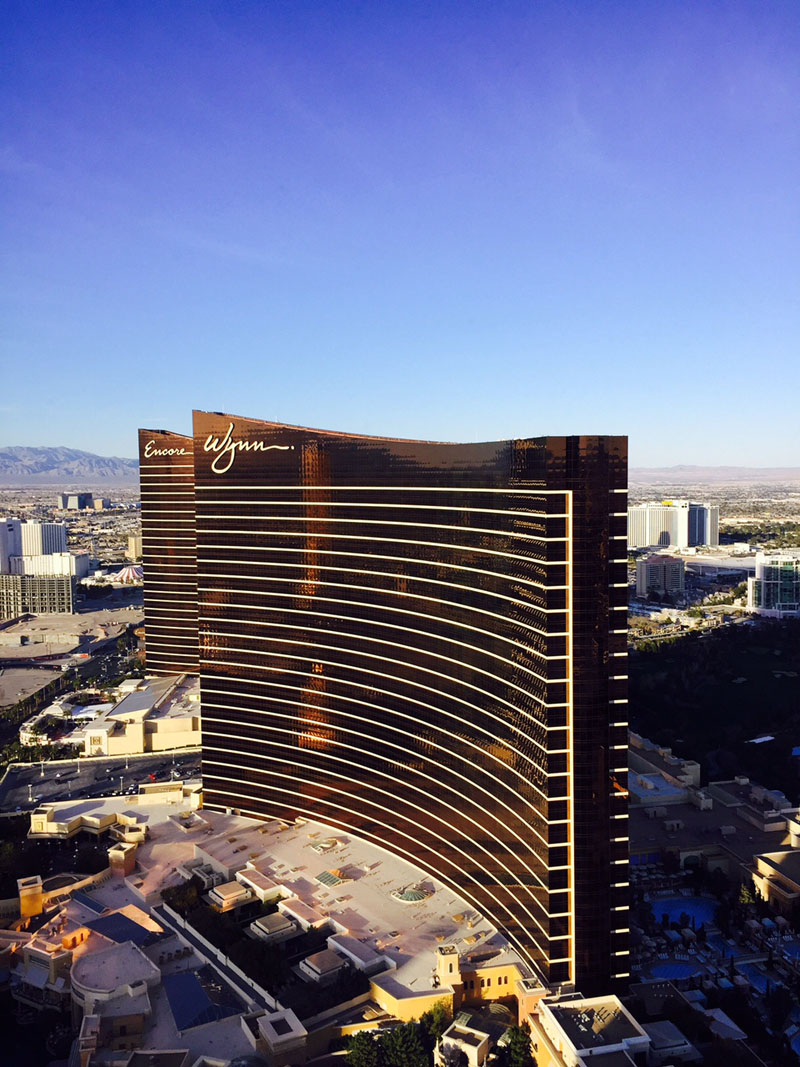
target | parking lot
x=23, y=788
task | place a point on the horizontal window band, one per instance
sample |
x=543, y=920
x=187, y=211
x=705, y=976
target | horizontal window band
x=284, y=626
x=393, y=505
x=405, y=560
x=456, y=817
x=221, y=561
x=209, y=680
x=154, y=603
x=203, y=517
x=173, y=565
x=380, y=589
x=361, y=799
x=313, y=650
x=302, y=487
x=257, y=664
x=153, y=518
x=228, y=604
x=454, y=699
x=158, y=581
x=478, y=902
x=245, y=715
x=401, y=731
x=403, y=699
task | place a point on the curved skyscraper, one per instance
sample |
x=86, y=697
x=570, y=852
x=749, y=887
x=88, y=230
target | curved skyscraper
x=166, y=476
x=424, y=644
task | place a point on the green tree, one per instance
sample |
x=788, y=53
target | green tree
x=364, y=1051
x=746, y=897
x=402, y=1047
x=518, y=1047
x=434, y=1023
x=452, y=1056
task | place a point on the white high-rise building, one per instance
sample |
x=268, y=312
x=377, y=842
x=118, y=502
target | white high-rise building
x=28, y=540
x=10, y=542
x=76, y=565
x=42, y=538
x=672, y=524
x=775, y=589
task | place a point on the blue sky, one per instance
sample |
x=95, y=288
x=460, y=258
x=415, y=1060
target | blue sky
x=460, y=220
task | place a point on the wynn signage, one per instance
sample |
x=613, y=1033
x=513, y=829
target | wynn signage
x=227, y=447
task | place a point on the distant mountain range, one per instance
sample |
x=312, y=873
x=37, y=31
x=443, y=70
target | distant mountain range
x=65, y=467
x=687, y=474
x=68, y=467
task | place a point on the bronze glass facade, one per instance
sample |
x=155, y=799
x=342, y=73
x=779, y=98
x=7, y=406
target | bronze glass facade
x=423, y=644
x=166, y=473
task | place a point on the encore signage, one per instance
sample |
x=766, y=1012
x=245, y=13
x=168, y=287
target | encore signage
x=151, y=449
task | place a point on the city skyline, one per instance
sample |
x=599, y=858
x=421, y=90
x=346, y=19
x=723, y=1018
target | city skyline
x=407, y=221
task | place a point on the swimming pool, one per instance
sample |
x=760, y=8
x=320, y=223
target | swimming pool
x=674, y=969
x=756, y=977
x=701, y=909
x=719, y=944
x=791, y=948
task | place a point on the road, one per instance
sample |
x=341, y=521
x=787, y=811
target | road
x=23, y=788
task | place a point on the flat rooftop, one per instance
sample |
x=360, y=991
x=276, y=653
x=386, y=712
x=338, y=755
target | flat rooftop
x=592, y=1025
x=651, y=788
x=141, y=701
x=409, y=933
x=701, y=829
x=786, y=863
x=111, y=968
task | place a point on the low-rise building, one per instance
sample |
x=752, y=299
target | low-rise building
x=64, y=821
x=323, y=967
x=279, y=1035
x=646, y=757
x=274, y=928
x=159, y=715
x=776, y=876
x=41, y=979
x=669, y=1045
x=362, y=956
x=593, y=1032
x=230, y=895
x=462, y=1043
x=260, y=885
x=114, y=984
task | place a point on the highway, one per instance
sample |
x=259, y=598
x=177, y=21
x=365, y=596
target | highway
x=24, y=788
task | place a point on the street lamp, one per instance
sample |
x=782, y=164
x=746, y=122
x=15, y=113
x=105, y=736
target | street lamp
x=42, y=774
x=120, y=785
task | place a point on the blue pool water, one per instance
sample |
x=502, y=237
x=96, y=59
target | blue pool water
x=719, y=944
x=791, y=948
x=674, y=969
x=700, y=908
x=755, y=976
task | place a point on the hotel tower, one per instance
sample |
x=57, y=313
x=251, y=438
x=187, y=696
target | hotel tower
x=420, y=643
